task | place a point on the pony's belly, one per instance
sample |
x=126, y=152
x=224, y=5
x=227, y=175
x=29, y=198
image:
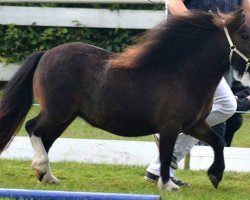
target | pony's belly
x=129, y=128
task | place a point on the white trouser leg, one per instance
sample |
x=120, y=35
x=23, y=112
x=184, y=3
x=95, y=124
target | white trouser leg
x=224, y=104
x=183, y=145
x=154, y=166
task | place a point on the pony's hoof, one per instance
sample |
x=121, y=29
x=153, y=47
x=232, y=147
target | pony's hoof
x=50, y=179
x=40, y=168
x=214, y=180
x=39, y=175
x=169, y=186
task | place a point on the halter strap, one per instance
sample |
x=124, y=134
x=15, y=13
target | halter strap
x=234, y=49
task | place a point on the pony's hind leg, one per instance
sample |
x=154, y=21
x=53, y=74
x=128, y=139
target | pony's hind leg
x=40, y=161
x=43, y=132
x=204, y=133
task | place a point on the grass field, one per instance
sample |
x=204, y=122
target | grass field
x=123, y=179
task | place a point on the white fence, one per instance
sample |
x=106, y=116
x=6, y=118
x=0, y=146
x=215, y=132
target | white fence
x=76, y=17
x=124, y=152
x=87, y=17
x=80, y=17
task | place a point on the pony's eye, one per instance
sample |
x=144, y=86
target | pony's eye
x=245, y=36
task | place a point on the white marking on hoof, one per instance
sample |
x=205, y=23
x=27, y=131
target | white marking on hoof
x=39, y=166
x=40, y=163
x=169, y=186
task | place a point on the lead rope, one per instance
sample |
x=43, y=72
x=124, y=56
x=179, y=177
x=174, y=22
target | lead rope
x=234, y=49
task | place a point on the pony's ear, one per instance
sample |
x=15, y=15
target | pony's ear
x=235, y=21
x=240, y=11
x=239, y=15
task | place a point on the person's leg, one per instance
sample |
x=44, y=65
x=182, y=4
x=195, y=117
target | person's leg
x=153, y=170
x=224, y=104
x=232, y=125
x=183, y=146
x=185, y=142
x=220, y=129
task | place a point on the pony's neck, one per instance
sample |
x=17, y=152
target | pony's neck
x=210, y=64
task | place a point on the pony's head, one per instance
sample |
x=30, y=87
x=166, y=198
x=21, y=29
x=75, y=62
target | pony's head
x=238, y=37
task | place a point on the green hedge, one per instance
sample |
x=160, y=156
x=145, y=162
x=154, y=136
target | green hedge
x=17, y=42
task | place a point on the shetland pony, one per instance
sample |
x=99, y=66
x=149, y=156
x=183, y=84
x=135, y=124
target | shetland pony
x=163, y=84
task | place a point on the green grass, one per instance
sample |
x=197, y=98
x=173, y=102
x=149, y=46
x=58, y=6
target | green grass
x=123, y=179
x=242, y=137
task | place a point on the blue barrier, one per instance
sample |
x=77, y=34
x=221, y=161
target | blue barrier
x=63, y=195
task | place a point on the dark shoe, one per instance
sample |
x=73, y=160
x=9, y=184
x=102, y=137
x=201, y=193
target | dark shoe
x=179, y=182
x=200, y=143
x=173, y=163
x=154, y=178
x=151, y=177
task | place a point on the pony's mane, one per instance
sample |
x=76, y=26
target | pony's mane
x=173, y=35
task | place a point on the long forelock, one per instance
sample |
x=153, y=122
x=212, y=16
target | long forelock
x=233, y=21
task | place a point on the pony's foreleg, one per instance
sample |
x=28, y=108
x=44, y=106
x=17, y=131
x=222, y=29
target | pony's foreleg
x=40, y=163
x=204, y=133
x=168, y=136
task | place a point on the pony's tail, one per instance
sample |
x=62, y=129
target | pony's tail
x=17, y=100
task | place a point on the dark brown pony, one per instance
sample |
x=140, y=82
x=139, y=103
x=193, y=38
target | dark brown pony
x=164, y=84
